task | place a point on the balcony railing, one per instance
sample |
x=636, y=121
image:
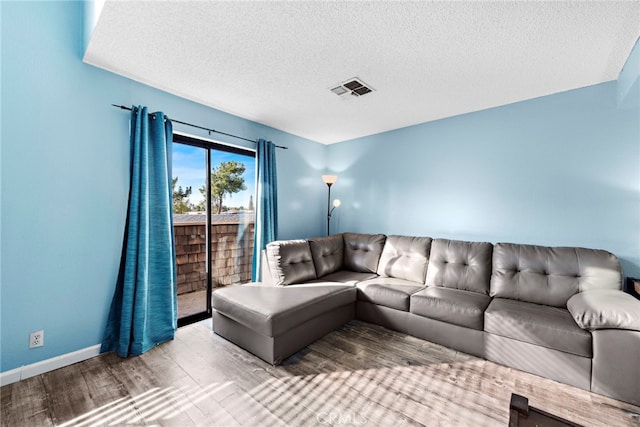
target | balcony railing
x=231, y=255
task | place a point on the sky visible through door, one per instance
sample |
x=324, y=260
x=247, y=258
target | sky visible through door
x=189, y=165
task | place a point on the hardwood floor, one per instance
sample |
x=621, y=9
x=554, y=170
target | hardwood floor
x=361, y=374
x=192, y=303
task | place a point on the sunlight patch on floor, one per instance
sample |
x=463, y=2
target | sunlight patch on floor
x=158, y=403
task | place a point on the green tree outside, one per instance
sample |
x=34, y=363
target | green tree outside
x=226, y=179
x=181, y=202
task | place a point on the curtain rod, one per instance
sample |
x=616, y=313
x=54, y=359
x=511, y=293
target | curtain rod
x=123, y=107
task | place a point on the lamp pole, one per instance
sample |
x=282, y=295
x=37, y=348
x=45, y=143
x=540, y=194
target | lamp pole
x=329, y=208
x=329, y=180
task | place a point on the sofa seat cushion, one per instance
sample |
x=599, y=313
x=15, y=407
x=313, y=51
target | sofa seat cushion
x=455, y=306
x=388, y=291
x=546, y=326
x=346, y=277
x=271, y=310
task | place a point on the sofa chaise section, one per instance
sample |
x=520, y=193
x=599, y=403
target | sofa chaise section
x=274, y=322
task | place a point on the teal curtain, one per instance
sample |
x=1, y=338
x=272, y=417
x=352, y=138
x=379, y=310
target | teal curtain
x=144, y=309
x=266, y=224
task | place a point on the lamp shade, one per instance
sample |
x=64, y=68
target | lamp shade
x=336, y=203
x=329, y=179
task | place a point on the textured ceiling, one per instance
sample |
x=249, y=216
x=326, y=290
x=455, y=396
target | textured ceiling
x=274, y=62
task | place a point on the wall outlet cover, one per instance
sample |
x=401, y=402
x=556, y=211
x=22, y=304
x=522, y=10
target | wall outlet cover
x=36, y=339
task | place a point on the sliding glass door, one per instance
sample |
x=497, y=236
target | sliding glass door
x=213, y=190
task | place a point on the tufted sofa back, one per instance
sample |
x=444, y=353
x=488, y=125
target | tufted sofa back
x=362, y=251
x=460, y=265
x=550, y=276
x=405, y=257
x=290, y=261
x=327, y=253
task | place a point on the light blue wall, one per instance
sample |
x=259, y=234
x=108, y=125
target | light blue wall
x=629, y=80
x=557, y=170
x=65, y=179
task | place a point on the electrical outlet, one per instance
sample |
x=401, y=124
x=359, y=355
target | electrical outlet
x=36, y=339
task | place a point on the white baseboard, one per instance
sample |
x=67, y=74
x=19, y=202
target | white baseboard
x=47, y=365
x=11, y=376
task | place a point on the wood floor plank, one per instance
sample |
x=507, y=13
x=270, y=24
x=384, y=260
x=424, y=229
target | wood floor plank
x=361, y=374
x=26, y=403
x=156, y=386
x=88, y=386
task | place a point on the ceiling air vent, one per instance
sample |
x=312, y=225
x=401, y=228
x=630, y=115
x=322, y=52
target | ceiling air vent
x=354, y=86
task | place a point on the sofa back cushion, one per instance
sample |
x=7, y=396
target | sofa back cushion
x=550, y=276
x=405, y=257
x=290, y=261
x=460, y=265
x=327, y=253
x=362, y=251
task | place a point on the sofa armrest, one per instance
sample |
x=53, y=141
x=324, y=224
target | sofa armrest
x=605, y=309
x=265, y=273
x=265, y=278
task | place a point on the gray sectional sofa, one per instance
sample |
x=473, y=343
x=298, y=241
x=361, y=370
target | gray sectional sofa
x=556, y=312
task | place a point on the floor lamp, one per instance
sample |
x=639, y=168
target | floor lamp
x=330, y=180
